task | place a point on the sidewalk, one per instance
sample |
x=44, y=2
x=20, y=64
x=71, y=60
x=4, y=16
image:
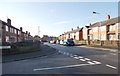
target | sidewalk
x=44, y=51
x=100, y=48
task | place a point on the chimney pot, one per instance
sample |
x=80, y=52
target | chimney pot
x=21, y=29
x=108, y=17
x=72, y=29
x=9, y=22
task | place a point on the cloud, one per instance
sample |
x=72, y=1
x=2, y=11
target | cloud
x=61, y=22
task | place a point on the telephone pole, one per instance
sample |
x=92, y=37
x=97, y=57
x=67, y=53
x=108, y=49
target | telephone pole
x=38, y=30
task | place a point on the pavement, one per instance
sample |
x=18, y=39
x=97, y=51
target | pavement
x=99, y=48
x=40, y=53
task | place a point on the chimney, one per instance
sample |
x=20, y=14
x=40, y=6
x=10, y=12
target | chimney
x=90, y=24
x=77, y=27
x=108, y=17
x=21, y=29
x=9, y=22
x=72, y=29
x=26, y=32
x=29, y=33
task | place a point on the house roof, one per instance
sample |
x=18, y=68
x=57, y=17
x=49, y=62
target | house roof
x=106, y=22
x=75, y=30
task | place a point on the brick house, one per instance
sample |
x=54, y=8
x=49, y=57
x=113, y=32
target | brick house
x=85, y=31
x=109, y=30
x=75, y=34
x=11, y=34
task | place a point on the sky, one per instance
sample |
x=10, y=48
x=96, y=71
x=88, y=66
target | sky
x=55, y=18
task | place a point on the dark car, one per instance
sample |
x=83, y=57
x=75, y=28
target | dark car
x=68, y=42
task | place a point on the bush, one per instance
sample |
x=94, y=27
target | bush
x=22, y=47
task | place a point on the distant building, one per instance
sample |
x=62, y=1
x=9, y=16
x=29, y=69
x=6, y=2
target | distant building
x=46, y=38
x=36, y=37
x=75, y=34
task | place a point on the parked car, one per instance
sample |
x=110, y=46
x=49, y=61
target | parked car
x=53, y=42
x=68, y=42
x=58, y=41
x=61, y=42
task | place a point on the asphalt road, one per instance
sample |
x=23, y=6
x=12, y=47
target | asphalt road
x=67, y=60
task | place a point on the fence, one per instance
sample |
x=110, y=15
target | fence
x=107, y=43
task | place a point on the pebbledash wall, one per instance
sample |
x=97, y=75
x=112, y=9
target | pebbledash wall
x=11, y=34
x=107, y=31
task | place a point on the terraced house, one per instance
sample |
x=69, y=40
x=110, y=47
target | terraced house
x=102, y=33
x=11, y=34
x=107, y=31
x=75, y=34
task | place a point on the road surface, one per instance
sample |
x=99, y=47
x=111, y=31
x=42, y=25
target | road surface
x=67, y=60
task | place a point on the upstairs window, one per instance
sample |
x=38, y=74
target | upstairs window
x=6, y=28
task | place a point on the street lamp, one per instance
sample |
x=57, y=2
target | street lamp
x=100, y=27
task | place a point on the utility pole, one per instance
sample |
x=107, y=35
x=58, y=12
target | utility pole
x=38, y=30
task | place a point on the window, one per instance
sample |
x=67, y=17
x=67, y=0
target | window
x=10, y=29
x=6, y=28
x=118, y=35
x=103, y=28
x=7, y=38
x=15, y=31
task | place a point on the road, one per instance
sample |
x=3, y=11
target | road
x=67, y=60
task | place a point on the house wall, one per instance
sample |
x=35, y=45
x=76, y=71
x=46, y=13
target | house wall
x=67, y=36
x=102, y=33
x=114, y=29
x=72, y=35
x=95, y=33
x=85, y=33
x=0, y=31
x=10, y=34
x=77, y=35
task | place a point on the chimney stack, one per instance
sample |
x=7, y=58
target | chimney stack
x=72, y=29
x=21, y=29
x=108, y=17
x=77, y=27
x=26, y=32
x=29, y=33
x=9, y=22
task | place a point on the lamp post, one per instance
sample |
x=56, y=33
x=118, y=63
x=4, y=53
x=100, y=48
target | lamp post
x=99, y=26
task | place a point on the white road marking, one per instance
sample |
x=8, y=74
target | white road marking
x=80, y=56
x=111, y=66
x=96, y=62
x=87, y=59
x=82, y=60
x=76, y=57
x=69, y=66
x=90, y=62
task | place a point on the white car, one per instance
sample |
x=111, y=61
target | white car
x=61, y=42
